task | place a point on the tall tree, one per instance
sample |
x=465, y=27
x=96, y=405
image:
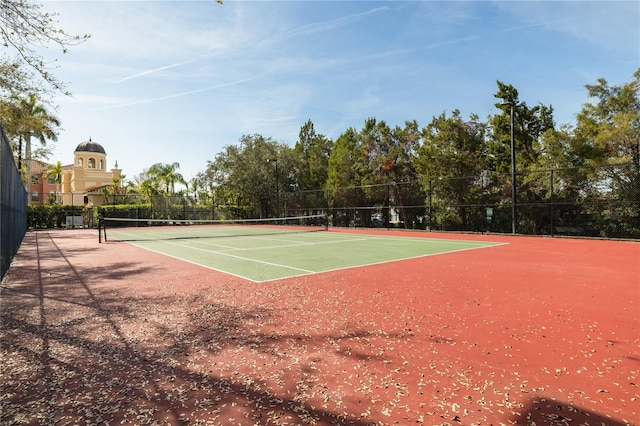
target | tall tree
x=404, y=190
x=244, y=176
x=167, y=175
x=530, y=123
x=561, y=174
x=451, y=161
x=389, y=166
x=30, y=118
x=344, y=169
x=313, y=151
x=310, y=163
x=375, y=139
x=608, y=136
x=25, y=28
x=55, y=174
x=374, y=167
x=609, y=128
x=148, y=188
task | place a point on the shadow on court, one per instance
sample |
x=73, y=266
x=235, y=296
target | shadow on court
x=110, y=333
x=77, y=347
x=541, y=410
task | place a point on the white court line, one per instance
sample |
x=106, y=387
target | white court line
x=386, y=261
x=291, y=244
x=239, y=257
x=200, y=264
x=223, y=253
x=158, y=237
x=481, y=244
x=198, y=240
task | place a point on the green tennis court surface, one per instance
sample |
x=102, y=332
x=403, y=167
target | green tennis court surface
x=264, y=254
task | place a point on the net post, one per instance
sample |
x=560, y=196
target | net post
x=102, y=229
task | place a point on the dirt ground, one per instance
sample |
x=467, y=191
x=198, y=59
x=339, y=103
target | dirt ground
x=536, y=331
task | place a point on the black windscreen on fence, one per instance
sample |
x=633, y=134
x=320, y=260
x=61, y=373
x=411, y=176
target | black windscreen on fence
x=13, y=205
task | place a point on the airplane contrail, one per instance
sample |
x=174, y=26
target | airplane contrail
x=330, y=25
x=153, y=70
x=177, y=95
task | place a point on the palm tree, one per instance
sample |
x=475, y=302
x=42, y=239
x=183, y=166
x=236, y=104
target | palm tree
x=55, y=174
x=148, y=188
x=35, y=121
x=167, y=174
x=195, y=187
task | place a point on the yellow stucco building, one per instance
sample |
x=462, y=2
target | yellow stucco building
x=84, y=180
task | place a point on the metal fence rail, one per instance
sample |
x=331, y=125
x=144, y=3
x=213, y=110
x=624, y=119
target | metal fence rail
x=13, y=206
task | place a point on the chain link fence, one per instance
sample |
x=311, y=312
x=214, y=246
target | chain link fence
x=601, y=201
x=591, y=201
x=13, y=206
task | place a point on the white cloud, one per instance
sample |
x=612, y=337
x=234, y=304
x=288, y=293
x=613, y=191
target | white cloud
x=614, y=25
x=180, y=79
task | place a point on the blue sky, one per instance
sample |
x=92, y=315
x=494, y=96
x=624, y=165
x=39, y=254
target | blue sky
x=176, y=81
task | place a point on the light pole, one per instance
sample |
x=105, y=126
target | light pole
x=514, y=213
x=275, y=160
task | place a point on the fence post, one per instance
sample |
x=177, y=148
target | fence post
x=430, y=203
x=552, y=203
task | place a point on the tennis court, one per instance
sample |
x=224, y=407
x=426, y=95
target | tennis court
x=460, y=329
x=266, y=252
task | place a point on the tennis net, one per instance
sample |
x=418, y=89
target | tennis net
x=123, y=229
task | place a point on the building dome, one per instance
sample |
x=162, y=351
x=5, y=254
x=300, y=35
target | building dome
x=90, y=146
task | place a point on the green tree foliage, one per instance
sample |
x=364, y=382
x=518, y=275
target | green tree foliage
x=55, y=174
x=529, y=126
x=166, y=175
x=25, y=28
x=609, y=128
x=242, y=176
x=607, y=134
x=452, y=169
x=149, y=189
x=312, y=151
x=375, y=166
x=13, y=80
x=563, y=177
x=451, y=160
x=530, y=123
x=27, y=117
x=343, y=168
x=402, y=174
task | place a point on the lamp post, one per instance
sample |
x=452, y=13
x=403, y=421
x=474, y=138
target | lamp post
x=275, y=160
x=514, y=213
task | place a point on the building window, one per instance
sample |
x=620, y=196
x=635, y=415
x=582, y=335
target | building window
x=35, y=179
x=79, y=162
x=51, y=181
x=35, y=196
x=101, y=164
x=91, y=163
